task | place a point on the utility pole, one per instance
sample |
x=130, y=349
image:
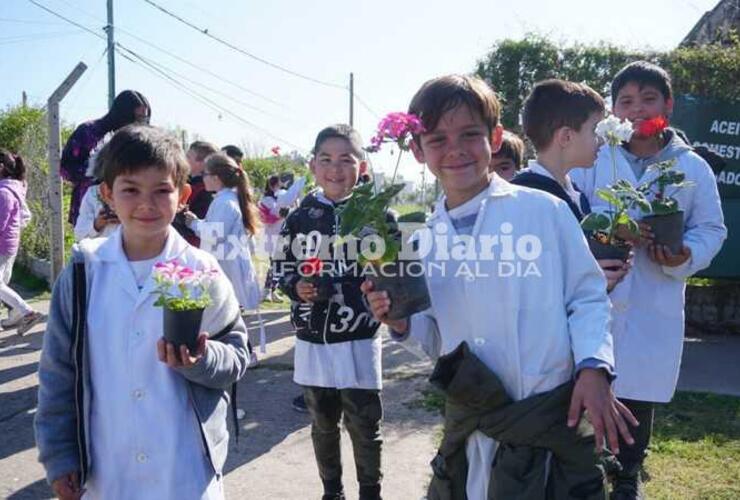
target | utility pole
x=111, y=56
x=24, y=99
x=351, y=99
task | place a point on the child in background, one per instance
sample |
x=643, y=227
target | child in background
x=95, y=219
x=338, y=349
x=559, y=119
x=234, y=152
x=533, y=332
x=273, y=208
x=508, y=160
x=228, y=228
x=120, y=413
x=648, y=306
x=200, y=198
x=14, y=216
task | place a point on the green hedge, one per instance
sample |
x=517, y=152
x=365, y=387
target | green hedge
x=512, y=67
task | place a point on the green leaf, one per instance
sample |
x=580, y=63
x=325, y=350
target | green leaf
x=596, y=222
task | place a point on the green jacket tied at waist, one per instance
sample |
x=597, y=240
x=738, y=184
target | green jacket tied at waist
x=538, y=457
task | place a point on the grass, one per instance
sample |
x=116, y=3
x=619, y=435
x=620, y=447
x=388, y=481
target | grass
x=29, y=286
x=695, y=450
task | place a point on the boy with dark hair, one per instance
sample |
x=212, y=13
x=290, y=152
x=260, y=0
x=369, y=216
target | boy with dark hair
x=121, y=414
x=338, y=349
x=507, y=161
x=511, y=342
x=234, y=152
x=560, y=118
x=200, y=198
x=648, y=305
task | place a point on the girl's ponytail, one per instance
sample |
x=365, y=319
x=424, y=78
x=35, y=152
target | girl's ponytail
x=246, y=203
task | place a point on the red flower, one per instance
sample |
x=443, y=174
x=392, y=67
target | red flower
x=311, y=267
x=652, y=127
x=275, y=150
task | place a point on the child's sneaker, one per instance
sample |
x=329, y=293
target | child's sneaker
x=299, y=404
x=29, y=321
x=10, y=322
x=254, y=361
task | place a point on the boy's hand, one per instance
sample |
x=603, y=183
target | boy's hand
x=380, y=304
x=104, y=219
x=67, y=487
x=306, y=291
x=661, y=254
x=593, y=393
x=167, y=352
x=190, y=217
x=614, y=270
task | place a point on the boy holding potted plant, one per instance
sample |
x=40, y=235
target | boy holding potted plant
x=121, y=411
x=648, y=306
x=511, y=342
x=560, y=118
x=338, y=349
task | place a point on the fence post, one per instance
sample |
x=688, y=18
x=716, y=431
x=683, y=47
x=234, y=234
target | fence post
x=55, y=179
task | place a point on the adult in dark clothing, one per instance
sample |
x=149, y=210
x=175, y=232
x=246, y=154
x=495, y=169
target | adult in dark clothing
x=199, y=199
x=128, y=107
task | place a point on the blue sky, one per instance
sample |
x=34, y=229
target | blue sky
x=391, y=46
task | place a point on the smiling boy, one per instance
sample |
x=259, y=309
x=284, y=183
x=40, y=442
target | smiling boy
x=120, y=415
x=648, y=304
x=531, y=333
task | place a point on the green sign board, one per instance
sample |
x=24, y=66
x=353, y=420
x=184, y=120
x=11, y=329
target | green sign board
x=715, y=124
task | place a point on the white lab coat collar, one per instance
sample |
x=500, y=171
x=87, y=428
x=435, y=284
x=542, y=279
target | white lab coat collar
x=111, y=250
x=497, y=187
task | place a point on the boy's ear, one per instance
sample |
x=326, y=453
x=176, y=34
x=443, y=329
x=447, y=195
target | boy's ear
x=669, y=107
x=417, y=151
x=107, y=194
x=363, y=167
x=562, y=136
x=312, y=165
x=497, y=137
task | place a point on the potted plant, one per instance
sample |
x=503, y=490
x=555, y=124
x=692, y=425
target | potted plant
x=609, y=232
x=665, y=215
x=365, y=216
x=183, y=295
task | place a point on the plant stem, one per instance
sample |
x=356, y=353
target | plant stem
x=612, y=228
x=395, y=170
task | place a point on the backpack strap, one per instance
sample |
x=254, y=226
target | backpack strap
x=79, y=321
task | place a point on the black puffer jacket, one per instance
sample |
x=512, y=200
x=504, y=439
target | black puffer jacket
x=345, y=316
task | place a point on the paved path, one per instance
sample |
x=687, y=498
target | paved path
x=274, y=459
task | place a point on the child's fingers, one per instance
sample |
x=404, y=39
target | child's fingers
x=171, y=356
x=612, y=434
x=201, y=344
x=162, y=350
x=627, y=414
x=366, y=287
x=574, y=412
x=622, y=427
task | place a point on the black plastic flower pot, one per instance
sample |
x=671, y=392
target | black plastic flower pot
x=406, y=286
x=182, y=327
x=603, y=251
x=668, y=230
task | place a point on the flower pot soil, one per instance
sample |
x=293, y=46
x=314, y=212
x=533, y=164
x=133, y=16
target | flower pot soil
x=668, y=230
x=182, y=327
x=406, y=286
x=606, y=251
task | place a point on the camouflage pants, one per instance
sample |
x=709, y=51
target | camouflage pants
x=363, y=412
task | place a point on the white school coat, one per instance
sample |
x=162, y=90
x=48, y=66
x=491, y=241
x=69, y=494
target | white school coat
x=143, y=427
x=648, y=305
x=222, y=234
x=530, y=331
x=90, y=207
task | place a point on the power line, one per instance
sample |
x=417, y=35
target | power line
x=205, y=32
x=156, y=69
x=26, y=21
x=181, y=59
x=366, y=106
x=56, y=14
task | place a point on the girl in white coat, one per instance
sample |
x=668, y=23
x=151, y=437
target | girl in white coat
x=228, y=230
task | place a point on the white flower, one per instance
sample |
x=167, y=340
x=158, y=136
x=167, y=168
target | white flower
x=614, y=131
